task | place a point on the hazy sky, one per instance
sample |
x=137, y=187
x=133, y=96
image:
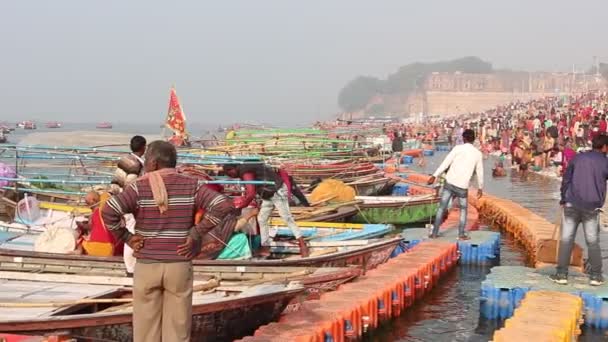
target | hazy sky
x=260, y=60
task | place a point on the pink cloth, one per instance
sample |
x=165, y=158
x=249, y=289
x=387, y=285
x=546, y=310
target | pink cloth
x=568, y=155
x=285, y=177
x=7, y=172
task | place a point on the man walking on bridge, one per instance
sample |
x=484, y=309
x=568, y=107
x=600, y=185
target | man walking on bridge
x=460, y=163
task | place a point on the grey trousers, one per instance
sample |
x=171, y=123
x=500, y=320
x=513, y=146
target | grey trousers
x=281, y=202
x=591, y=226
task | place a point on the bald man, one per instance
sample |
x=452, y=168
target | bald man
x=100, y=242
x=92, y=199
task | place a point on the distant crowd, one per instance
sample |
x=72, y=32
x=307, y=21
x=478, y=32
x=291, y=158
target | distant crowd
x=535, y=135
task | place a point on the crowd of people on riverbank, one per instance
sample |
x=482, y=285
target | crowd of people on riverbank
x=538, y=135
x=582, y=195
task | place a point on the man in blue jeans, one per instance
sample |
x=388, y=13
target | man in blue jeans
x=461, y=163
x=583, y=193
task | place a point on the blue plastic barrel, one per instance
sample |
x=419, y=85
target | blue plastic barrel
x=400, y=189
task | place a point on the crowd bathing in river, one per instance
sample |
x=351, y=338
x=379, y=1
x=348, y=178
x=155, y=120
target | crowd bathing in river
x=537, y=135
x=151, y=204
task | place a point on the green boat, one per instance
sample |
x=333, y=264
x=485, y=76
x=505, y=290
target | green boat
x=396, y=210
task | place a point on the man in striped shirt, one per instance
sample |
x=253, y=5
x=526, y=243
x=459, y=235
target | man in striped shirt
x=166, y=239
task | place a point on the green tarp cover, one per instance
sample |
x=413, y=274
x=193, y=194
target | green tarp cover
x=404, y=215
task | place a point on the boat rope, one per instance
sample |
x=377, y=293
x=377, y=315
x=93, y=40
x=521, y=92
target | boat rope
x=362, y=214
x=223, y=243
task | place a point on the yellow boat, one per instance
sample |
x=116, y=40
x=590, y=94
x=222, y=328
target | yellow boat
x=307, y=224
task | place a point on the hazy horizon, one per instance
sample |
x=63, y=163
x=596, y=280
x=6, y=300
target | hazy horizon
x=268, y=61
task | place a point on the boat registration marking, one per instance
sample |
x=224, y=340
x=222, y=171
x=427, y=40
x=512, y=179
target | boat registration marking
x=241, y=268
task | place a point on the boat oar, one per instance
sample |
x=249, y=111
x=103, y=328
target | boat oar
x=269, y=279
x=206, y=286
x=312, y=237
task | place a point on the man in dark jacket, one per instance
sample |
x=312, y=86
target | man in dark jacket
x=397, y=147
x=583, y=193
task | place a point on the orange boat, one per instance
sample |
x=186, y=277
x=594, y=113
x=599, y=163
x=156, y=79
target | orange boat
x=413, y=153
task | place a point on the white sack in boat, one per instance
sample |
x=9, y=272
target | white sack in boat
x=127, y=255
x=56, y=239
x=56, y=218
x=28, y=210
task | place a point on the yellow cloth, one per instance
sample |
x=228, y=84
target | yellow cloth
x=334, y=190
x=98, y=248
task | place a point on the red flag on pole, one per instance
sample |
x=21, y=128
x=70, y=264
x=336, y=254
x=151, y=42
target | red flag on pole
x=176, y=119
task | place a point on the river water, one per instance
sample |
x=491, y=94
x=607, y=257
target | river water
x=451, y=311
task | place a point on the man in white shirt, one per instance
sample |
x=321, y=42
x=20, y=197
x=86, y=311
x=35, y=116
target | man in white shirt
x=461, y=163
x=130, y=167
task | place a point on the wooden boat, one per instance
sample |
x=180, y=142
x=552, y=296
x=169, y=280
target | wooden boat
x=321, y=239
x=53, y=124
x=367, y=256
x=396, y=209
x=329, y=213
x=309, y=224
x=104, y=125
x=29, y=125
x=316, y=280
x=28, y=338
x=339, y=214
x=345, y=171
x=5, y=128
x=83, y=310
x=413, y=152
x=326, y=234
x=373, y=186
x=26, y=125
